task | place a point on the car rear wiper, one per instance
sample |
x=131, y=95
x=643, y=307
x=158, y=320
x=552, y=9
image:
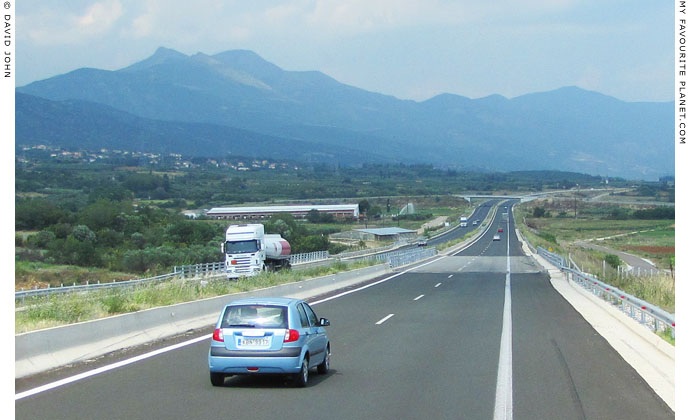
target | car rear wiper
x=241, y=325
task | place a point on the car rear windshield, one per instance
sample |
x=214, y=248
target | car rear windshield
x=255, y=316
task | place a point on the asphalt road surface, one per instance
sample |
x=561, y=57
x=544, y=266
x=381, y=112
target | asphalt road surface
x=436, y=357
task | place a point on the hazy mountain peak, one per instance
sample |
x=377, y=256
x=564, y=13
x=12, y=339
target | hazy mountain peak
x=576, y=129
x=161, y=56
x=250, y=62
x=447, y=99
x=228, y=71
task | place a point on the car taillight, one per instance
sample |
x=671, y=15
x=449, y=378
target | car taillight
x=290, y=336
x=218, y=335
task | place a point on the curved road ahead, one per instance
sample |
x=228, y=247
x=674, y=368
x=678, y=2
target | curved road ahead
x=437, y=357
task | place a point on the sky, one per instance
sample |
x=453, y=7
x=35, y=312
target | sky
x=411, y=49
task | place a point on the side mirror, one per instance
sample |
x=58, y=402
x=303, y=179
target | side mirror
x=222, y=247
x=323, y=322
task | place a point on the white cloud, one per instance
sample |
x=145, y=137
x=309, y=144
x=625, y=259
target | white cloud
x=56, y=27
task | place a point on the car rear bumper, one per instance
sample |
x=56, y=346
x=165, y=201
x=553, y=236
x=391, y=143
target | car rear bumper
x=287, y=360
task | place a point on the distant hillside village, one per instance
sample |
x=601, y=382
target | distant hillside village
x=25, y=155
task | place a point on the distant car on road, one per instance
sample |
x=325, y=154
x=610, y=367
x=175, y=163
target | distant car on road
x=422, y=242
x=269, y=336
x=475, y=223
x=500, y=230
x=497, y=237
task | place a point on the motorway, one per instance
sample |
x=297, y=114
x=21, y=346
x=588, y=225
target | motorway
x=430, y=342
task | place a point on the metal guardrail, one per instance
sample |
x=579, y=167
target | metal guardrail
x=367, y=251
x=398, y=258
x=198, y=270
x=88, y=287
x=643, y=312
x=184, y=271
x=309, y=257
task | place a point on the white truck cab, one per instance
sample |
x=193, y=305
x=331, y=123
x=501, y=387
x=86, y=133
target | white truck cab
x=249, y=251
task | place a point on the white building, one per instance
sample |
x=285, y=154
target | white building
x=340, y=211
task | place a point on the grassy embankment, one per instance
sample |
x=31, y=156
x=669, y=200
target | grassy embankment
x=55, y=310
x=560, y=234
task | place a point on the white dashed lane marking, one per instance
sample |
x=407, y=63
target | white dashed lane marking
x=384, y=319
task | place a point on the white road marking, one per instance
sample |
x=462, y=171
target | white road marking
x=450, y=276
x=384, y=319
x=503, y=407
x=121, y=363
x=418, y=297
x=437, y=284
x=373, y=284
x=102, y=369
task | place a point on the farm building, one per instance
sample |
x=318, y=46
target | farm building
x=385, y=234
x=340, y=211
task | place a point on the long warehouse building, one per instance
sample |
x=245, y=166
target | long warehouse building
x=339, y=211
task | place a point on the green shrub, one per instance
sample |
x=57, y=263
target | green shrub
x=613, y=260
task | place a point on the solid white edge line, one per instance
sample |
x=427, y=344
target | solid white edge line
x=418, y=297
x=121, y=363
x=503, y=406
x=384, y=319
x=102, y=369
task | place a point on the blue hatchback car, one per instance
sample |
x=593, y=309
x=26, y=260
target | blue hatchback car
x=269, y=336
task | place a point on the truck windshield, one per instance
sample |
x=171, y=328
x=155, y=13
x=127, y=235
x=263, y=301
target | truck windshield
x=241, y=247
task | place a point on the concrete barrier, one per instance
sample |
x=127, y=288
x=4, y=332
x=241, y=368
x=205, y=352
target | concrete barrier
x=38, y=351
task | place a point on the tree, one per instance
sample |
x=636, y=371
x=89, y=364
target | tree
x=41, y=239
x=314, y=216
x=364, y=206
x=138, y=240
x=374, y=211
x=105, y=214
x=618, y=214
x=613, y=260
x=539, y=212
x=83, y=234
x=37, y=214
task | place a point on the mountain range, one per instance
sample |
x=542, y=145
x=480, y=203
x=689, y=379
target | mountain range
x=236, y=102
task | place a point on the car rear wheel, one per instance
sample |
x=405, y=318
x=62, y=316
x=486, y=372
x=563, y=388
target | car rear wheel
x=217, y=379
x=303, y=375
x=325, y=366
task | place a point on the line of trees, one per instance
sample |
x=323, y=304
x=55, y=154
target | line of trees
x=656, y=213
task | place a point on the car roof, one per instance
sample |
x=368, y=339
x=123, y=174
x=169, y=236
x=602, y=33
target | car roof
x=279, y=301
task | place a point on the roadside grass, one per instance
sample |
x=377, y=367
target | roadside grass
x=666, y=335
x=30, y=274
x=657, y=289
x=571, y=230
x=69, y=308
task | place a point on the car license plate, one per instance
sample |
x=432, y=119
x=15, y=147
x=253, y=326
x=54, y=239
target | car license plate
x=254, y=341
